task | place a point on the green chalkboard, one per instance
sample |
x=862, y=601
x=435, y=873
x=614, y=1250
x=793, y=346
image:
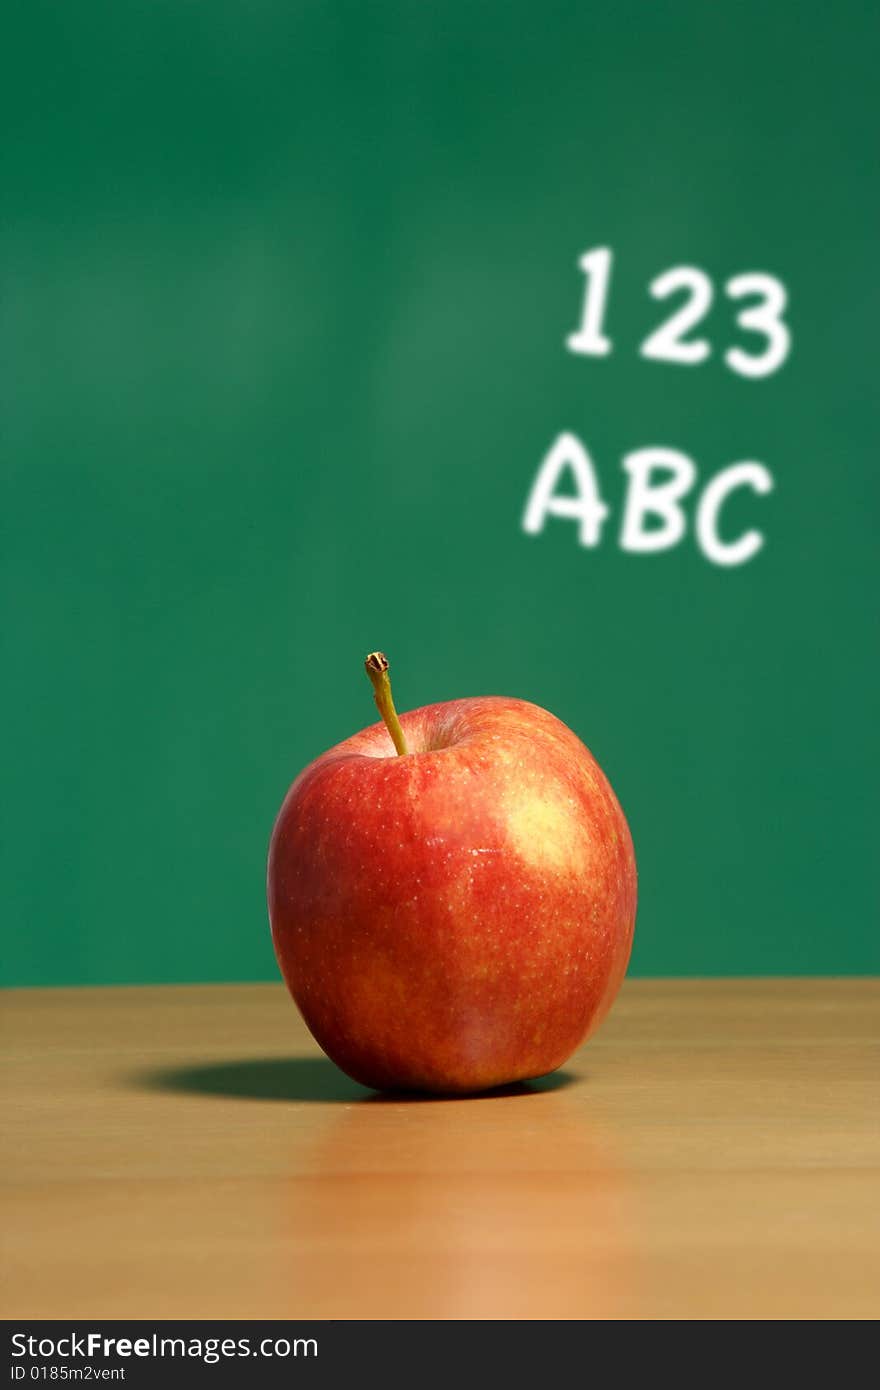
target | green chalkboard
x=435, y=328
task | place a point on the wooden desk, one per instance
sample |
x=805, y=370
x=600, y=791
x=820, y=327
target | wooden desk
x=187, y=1152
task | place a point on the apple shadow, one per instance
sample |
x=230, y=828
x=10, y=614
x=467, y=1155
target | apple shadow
x=297, y=1079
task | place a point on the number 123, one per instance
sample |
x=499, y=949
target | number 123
x=668, y=342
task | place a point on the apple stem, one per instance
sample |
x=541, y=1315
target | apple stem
x=376, y=666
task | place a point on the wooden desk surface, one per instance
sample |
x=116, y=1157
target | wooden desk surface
x=187, y=1152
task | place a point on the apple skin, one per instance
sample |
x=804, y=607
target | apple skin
x=460, y=917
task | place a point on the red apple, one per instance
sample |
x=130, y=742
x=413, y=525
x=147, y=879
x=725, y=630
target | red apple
x=459, y=915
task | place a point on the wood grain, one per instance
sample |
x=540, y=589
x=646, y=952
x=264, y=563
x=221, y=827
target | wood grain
x=187, y=1152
